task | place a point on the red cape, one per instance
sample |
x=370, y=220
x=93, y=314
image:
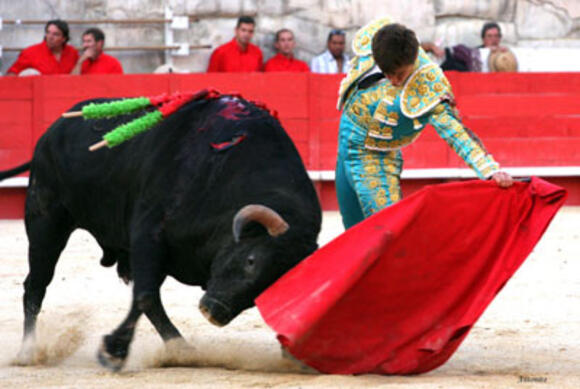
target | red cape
x=398, y=292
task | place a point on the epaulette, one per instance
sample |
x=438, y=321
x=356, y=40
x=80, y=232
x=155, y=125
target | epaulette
x=363, y=60
x=424, y=89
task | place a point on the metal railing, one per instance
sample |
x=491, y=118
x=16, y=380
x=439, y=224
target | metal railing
x=169, y=22
x=130, y=48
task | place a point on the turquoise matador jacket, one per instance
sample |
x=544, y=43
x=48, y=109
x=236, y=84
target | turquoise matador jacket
x=380, y=119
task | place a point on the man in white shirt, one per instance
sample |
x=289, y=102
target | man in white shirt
x=334, y=59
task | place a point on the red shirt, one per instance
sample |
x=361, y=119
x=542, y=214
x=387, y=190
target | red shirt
x=104, y=64
x=230, y=58
x=281, y=63
x=41, y=58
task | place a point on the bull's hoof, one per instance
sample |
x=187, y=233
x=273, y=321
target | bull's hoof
x=108, y=361
x=26, y=354
x=24, y=358
x=113, y=361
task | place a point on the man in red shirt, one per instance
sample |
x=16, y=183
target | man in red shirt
x=284, y=61
x=93, y=60
x=52, y=56
x=238, y=55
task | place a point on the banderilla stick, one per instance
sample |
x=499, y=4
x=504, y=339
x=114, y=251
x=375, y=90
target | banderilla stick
x=98, y=145
x=72, y=114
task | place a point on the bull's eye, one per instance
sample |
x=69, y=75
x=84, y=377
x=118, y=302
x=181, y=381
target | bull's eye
x=250, y=261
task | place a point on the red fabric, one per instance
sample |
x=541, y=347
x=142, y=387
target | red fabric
x=280, y=63
x=398, y=293
x=230, y=58
x=41, y=58
x=104, y=64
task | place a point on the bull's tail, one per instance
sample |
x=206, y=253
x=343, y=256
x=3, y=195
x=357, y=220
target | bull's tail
x=14, y=171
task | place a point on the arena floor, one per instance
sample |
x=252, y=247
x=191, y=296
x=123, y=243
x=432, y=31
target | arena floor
x=528, y=337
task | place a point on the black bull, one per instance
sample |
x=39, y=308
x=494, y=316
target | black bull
x=216, y=196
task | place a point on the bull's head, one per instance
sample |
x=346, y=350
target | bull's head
x=261, y=251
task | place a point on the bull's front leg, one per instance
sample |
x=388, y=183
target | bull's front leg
x=156, y=314
x=148, y=252
x=115, y=346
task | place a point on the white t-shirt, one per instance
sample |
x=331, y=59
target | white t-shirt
x=325, y=63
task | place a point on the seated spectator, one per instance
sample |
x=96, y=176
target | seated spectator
x=238, y=55
x=334, y=59
x=461, y=58
x=284, y=61
x=491, y=37
x=93, y=60
x=52, y=56
x=499, y=58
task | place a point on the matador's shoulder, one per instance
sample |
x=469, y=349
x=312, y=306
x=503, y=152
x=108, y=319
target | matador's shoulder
x=424, y=89
x=363, y=60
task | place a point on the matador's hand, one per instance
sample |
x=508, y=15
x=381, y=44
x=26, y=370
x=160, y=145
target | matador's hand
x=502, y=179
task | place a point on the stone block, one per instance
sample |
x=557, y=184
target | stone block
x=124, y=9
x=231, y=7
x=299, y=4
x=215, y=32
x=416, y=14
x=193, y=7
x=497, y=10
x=542, y=20
x=270, y=7
x=179, y=7
x=249, y=7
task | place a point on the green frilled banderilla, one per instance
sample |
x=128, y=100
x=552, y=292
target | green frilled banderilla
x=167, y=104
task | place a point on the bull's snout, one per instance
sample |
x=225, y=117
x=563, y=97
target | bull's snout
x=216, y=312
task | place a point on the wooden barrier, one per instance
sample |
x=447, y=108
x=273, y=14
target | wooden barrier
x=529, y=121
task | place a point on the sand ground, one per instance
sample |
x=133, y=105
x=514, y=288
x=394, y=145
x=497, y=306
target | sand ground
x=528, y=337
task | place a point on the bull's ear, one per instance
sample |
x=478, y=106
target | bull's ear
x=266, y=216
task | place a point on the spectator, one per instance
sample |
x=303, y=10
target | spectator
x=491, y=37
x=238, y=55
x=459, y=57
x=334, y=59
x=284, y=61
x=499, y=58
x=52, y=56
x=93, y=60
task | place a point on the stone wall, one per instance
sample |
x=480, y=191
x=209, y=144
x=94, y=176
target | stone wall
x=525, y=23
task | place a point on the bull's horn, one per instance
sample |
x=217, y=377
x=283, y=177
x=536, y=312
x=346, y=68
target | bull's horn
x=267, y=217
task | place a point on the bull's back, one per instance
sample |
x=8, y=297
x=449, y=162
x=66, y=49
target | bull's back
x=93, y=187
x=207, y=158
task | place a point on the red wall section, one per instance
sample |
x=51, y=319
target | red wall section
x=524, y=119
